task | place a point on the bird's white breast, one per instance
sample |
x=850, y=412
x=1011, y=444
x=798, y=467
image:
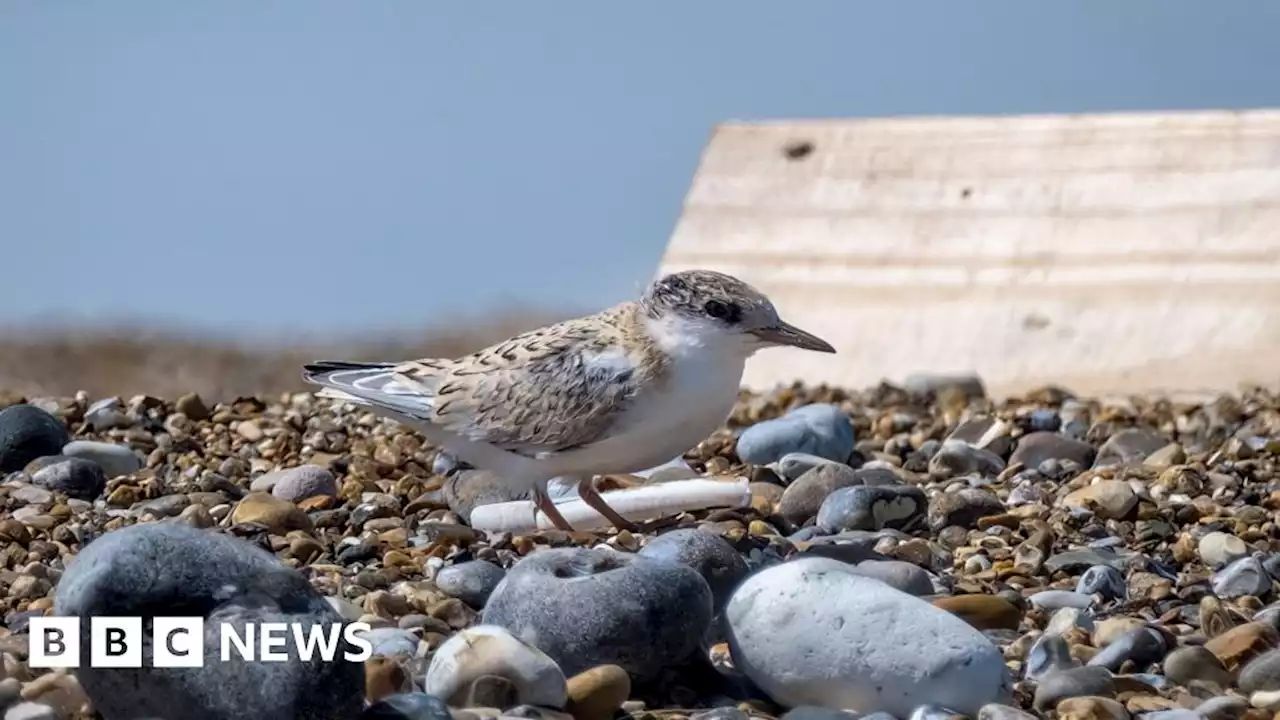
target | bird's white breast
x=694, y=398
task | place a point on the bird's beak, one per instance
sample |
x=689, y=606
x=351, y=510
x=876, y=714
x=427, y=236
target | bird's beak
x=784, y=333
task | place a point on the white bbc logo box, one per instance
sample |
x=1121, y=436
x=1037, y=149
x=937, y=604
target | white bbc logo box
x=116, y=642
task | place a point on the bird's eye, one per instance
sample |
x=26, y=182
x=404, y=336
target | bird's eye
x=720, y=310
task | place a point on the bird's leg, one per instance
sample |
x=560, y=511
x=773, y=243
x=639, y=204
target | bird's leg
x=543, y=502
x=591, y=497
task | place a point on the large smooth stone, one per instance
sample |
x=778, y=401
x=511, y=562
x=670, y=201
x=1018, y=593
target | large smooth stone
x=822, y=430
x=710, y=555
x=160, y=569
x=115, y=460
x=27, y=433
x=814, y=632
x=600, y=607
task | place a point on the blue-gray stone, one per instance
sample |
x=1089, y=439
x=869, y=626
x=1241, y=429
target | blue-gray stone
x=594, y=607
x=1044, y=420
x=1175, y=714
x=793, y=465
x=27, y=433
x=73, y=477
x=1074, y=682
x=115, y=460
x=1262, y=673
x=1103, y=580
x=408, y=706
x=391, y=642
x=471, y=582
x=899, y=574
x=1245, y=576
x=159, y=569
x=1049, y=654
x=1223, y=707
x=710, y=555
x=862, y=507
x=1141, y=645
x=802, y=498
x=822, y=430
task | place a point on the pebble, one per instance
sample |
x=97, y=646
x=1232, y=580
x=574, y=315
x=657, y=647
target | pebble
x=1109, y=499
x=1129, y=446
x=486, y=650
x=1245, y=576
x=802, y=498
x=1103, y=580
x=597, y=693
x=1193, y=662
x=793, y=465
x=1069, y=618
x=1261, y=673
x=813, y=632
x=472, y=582
x=146, y=569
x=719, y=564
x=1219, y=548
x=1037, y=447
x=821, y=429
x=31, y=711
x=115, y=460
x=1048, y=655
x=904, y=576
x=73, y=477
x=984, y=612
x=1091, y=708
x=1074, y=682
x=299, y=483
x=27, y=433
x=873, y=508
x=1057, y=599
x=596, y=607
x=1141, y=646
x=963, y=508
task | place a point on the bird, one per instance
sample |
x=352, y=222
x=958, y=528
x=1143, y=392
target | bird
x=619, y=391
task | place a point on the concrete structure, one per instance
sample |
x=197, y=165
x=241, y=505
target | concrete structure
x=1102, y=253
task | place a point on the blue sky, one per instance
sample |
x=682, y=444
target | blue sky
x=325, y=166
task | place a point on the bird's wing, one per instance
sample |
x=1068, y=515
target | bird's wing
x=544, y=391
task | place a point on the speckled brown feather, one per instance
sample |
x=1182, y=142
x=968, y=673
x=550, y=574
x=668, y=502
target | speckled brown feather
x=541, y=391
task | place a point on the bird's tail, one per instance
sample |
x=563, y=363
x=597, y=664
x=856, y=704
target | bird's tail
x=366, y=384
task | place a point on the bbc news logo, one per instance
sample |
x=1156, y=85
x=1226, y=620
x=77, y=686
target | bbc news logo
x=176, y=642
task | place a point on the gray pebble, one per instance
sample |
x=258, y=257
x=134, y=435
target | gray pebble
x=1194, y=662
x=1262, y=673
x=1223, y=707
x=471, y=582
x=956, y=458
x=793, y=465
x=805, y=495
x=1142, y=646
x=594, y=607
x=963, y=508
x=1103, y=580
x=1076, y=682
x=115, y=460
x=820, y=429
x=996, y=711
x=709, y=555
x=904, y=576
x=408, y=706
x=860, y=507
x=1036, y=447
x=813, y=712
x=1049, y=654
x=28, y=433
x=1245, y=576
x=73, y=477
x=296, y=484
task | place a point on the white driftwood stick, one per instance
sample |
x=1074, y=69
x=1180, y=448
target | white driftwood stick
x=635, y=504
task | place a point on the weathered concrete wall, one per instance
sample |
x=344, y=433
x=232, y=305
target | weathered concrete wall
x=1105, y=253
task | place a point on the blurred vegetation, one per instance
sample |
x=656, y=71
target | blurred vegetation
x=127, y=361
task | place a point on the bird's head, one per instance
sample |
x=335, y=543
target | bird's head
x=707, y=308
